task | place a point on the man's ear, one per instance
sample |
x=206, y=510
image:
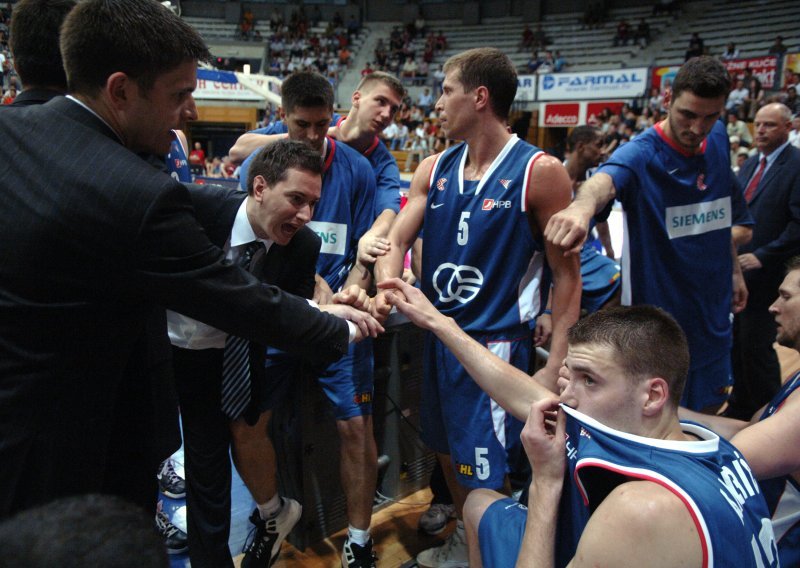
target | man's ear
x=657, y=396
x=356, y=98
x=481, y=95
x=119, y=89
x=259, y=186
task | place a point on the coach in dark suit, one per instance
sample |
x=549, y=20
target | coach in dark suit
x=93, y=237
x=772, y=188
x=285, y=184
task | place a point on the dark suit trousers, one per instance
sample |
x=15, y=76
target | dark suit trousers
x=206, y=438
x=756, y=370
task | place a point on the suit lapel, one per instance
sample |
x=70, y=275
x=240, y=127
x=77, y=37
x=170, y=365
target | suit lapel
x=770, y=173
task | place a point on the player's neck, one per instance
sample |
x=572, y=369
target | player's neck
x=355, y=137
x=484, y=147
x=665, y=426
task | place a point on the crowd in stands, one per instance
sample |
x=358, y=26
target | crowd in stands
x=294, y=47
x=400, y=54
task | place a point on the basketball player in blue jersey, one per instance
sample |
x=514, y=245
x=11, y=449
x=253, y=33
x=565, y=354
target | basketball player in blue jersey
x=599, y=274
x=344, y=213
x=484, y=204
x=374, y=105
x=177, y=161
x=679, y=199
x=770, y=440
x=632, y=486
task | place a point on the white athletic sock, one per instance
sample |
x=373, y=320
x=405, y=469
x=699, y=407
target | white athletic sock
x=270, y=508
x=358, y=536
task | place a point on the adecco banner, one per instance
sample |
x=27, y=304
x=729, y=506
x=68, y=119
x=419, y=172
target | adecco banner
x=622, y=83
x=567, y=114
x=560, y=114
x=764, y=68
x=526, y=88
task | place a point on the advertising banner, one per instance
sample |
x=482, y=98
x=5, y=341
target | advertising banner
x=570, y=114
x=663, y=77
x=526, y=88
x=765, y=68
x=620, y=83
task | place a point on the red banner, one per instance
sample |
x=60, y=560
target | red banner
x=562, y=114
x=764, y=68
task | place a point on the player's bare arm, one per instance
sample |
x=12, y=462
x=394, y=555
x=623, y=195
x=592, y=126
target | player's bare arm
x=739, y=297
x=549, y=192
x=511, y=388
x=248, y=143
x=568, y=228
x=543, y=439
x=404, y=230
x=639, y=524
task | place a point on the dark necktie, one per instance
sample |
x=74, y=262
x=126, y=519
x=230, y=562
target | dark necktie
x=751, y=187
x=236, y=359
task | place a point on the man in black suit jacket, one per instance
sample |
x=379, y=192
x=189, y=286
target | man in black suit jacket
x=284, y=185
x=93, y=237
x=773, y=194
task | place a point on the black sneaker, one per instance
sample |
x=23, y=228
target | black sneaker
x=264, y=541
x=356, y=556
x=169, y=482
x=175, y=540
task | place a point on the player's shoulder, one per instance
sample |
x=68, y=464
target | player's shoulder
x=346, y=153
x=644, y=503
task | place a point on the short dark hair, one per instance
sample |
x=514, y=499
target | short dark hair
x=306, y=89
x=275, y=159
x=34, y=40
x=793, y=264
x=704, y=76
x=585, y=134
x=140, y=38
x=488, y=67
x=382, y=77
x=80, y=531
x=647, y=340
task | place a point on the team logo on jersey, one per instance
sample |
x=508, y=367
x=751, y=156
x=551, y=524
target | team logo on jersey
x=584, y=433
x=440, y=183
x=363, y=397
x=457, y=283
x=489, y=204
x=504, y=182
x=701, y=182
x=464, y=469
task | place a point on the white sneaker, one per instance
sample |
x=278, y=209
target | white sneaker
x=453, y=554
x=434, y=520
x=266, y=538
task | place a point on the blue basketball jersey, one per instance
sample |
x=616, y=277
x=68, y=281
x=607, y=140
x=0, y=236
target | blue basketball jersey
x=345, y=211
x=678, y=211
x=783, y=493
x=708, y=475
x=177, y=163
x=482, y=266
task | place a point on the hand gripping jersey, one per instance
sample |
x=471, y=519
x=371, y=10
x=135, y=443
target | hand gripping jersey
x=177, y=164
x=481, y=264
x=709, y=476
x=783, y=493
x=678, y=210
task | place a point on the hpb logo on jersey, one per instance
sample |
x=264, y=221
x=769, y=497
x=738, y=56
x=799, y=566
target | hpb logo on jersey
x=440, y=183
x=489, y=204
x=461, y=283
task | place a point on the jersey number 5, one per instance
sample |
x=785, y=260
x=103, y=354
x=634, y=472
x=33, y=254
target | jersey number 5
x=463, y=229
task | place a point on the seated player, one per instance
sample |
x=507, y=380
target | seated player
x=770, y=440
x=642, y=489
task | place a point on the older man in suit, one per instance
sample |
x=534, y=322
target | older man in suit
x=772, y=189
x=93, y=237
